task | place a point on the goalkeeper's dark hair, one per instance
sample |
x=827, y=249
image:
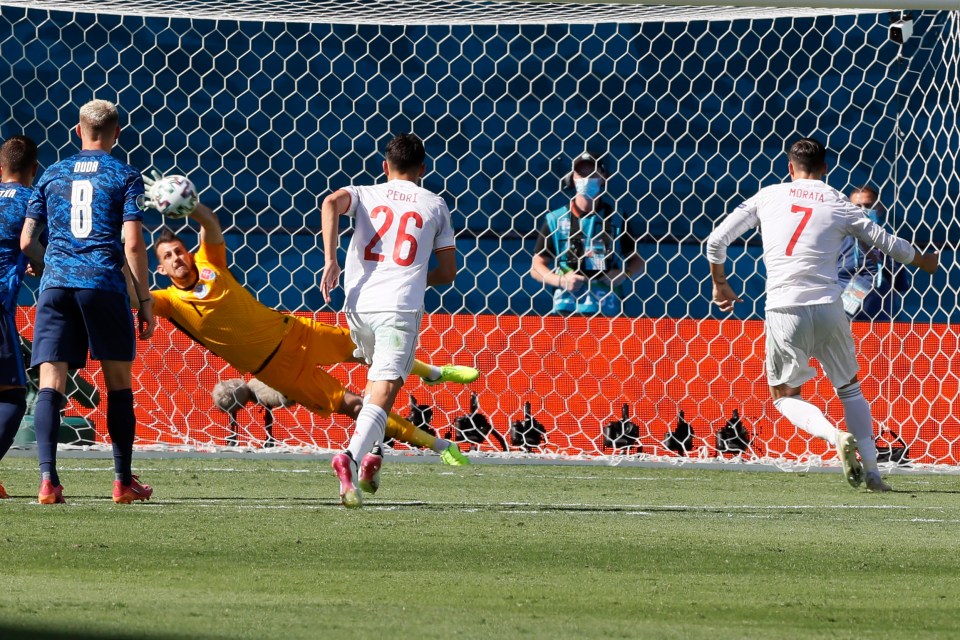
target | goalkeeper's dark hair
x=808, y=155
x=18, y=154
x=405, y=152
x=167, y=235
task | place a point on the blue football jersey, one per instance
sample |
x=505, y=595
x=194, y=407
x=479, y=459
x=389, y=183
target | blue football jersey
x=84, y=201
x=14, y=198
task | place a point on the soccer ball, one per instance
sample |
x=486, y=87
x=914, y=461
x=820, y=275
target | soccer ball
x=173, y=196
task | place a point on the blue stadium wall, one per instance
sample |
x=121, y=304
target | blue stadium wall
x=275, y=125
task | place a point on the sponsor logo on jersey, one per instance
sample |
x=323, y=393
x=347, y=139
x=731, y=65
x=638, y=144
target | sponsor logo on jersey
x=201, y=290
x=208, y=274
x=86, y=166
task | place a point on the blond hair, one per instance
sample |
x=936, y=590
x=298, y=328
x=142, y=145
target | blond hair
x=99, y=116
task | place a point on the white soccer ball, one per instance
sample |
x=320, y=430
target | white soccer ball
x=173, y=196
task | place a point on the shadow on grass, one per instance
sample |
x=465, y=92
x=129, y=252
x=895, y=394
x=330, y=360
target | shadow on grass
x=9, y=631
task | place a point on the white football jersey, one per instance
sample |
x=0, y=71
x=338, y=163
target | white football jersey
x=802, y=224
x=398, y=224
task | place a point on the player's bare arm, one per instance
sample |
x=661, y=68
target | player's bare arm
x=131, y=287
x=742, y=219
x=334, y=205
x=446, y=269
x=30, y=243
x=723, y=295
x=210, y=230
x=136, y=252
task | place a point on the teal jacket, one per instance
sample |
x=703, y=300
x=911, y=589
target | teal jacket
x=590, y=245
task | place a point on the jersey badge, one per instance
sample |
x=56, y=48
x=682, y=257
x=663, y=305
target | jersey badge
x=208, y=274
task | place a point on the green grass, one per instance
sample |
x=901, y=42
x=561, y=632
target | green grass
x=236, y=548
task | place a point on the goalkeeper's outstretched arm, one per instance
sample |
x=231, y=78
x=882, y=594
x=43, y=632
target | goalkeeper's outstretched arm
x=210, y=230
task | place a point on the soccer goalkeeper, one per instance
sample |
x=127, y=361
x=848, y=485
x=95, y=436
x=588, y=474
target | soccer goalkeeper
x=284, y=351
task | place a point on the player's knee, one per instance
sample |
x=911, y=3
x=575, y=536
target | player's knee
x=117, y=374
x=53, y=375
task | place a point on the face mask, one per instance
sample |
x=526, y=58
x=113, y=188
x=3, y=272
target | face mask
x=589, y=188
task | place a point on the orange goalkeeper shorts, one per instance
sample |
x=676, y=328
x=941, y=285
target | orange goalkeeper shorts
x=294, y=369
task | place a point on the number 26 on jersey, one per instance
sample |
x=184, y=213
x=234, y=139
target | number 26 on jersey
x=395, y=235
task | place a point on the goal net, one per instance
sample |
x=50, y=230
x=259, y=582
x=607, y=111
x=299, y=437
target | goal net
x=268, y=106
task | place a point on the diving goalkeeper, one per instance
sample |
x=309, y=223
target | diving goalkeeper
x=284, y=351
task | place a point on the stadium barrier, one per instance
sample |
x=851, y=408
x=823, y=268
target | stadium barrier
x=577, y=373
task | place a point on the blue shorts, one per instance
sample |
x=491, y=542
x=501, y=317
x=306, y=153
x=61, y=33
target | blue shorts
x=11, y=357
x=71, y=320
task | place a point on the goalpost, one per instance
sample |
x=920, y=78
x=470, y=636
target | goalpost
x=270, y=105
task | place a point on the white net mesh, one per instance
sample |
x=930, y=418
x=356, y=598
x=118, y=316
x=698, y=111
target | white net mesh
x=692, y=110
x=422, y=12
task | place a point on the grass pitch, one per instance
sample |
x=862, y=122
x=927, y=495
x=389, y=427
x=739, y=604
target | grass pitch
x=239, y=548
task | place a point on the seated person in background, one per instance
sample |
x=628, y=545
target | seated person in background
x=680, y=441
x=584, y=249
x=869, y=279
x=284, y=351
x=733, y=437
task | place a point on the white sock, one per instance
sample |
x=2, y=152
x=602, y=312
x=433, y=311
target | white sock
x=856, y=410
x=371, y=424
x=435, y=373
x=807, y=417
x=440, y=445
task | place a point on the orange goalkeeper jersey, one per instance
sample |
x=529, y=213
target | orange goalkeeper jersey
x=241, y=331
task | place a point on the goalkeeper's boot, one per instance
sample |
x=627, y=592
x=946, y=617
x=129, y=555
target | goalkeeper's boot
x=3, y=492
x=454, y=373
x=370, y=472
x=346, y=469
x=875, y=484
x=128, y=493
x=50, y=494
x=453, y=456
x=847, y=449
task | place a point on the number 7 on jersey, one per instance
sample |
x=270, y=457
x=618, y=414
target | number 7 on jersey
x=807, y=212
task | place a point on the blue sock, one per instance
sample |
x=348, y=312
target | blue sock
x=13, y=404
x=122, y=425
x=46, y=421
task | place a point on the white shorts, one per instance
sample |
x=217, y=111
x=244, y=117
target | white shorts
x=796, y=334
x=386, y=340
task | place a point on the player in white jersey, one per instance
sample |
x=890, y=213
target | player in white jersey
x=398, y=225
x=802, y=224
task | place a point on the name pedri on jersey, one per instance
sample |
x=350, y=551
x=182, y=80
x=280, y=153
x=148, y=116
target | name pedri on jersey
x=84, y=201
x=14, y=198
x=803, y=224
x=398, y=225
